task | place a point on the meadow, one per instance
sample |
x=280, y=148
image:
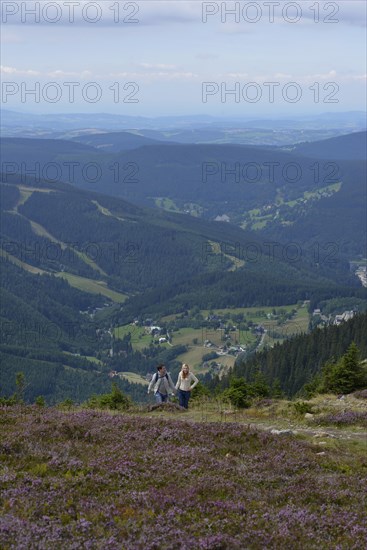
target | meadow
x=95, y=480
x=194, y=338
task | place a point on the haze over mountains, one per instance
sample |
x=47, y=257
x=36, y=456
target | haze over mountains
x=307, y=192
x=186, y=129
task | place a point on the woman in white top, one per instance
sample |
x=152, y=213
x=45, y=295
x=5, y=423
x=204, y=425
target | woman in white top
x=184, y=385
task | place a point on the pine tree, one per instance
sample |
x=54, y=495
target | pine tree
x=349, y=374
x=276, y=389
x=259, y=387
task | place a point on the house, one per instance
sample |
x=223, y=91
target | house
x=345, y=316
x=362, y=275
x=162, y=340
x=223, y=218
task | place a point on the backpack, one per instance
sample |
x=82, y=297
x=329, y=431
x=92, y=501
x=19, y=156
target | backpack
x=157, y=376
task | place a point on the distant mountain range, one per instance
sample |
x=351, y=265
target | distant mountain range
x=308, y=193
x=186, y=129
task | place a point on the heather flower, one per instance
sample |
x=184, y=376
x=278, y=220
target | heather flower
x=89, y=479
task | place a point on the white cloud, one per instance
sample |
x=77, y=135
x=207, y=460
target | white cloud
x=240, y=76
x=166, y=73
x=57, y=74
x=158, y=66
x=331, y=76
x=18, y=72
x=69, y=74
x=154, y=76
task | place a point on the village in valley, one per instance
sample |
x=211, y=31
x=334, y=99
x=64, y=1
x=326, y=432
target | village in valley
x=211, y=341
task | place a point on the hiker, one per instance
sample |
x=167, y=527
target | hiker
x=184, y=386
x=162, y=385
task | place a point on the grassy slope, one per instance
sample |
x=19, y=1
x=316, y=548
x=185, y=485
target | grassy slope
x=95, y=287
x=82, y=283
x=218, y=485
x=135, y=378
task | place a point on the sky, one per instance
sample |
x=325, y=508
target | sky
x=149, y=58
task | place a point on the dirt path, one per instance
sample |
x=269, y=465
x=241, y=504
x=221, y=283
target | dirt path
x=316, y=432
x=276, y=426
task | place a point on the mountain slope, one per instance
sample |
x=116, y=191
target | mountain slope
x=348, y=147
x=294, y=362
x=130, y=248
x=53, y=234
x=263, y=189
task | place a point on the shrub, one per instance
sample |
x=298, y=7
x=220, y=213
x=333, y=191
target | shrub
x=116, y=400
x=8, y=401
x=238, y=393
x=200, y=391
x=301, y=408
x=342, y=377
x=259, y=386
x=66, y=404
x=40, y=401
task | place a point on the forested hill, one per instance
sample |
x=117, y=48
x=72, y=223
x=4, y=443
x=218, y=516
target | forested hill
x=134, y=249
x=68, y=253
x=296, y=193
x=349, y=147
x=297, y=360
